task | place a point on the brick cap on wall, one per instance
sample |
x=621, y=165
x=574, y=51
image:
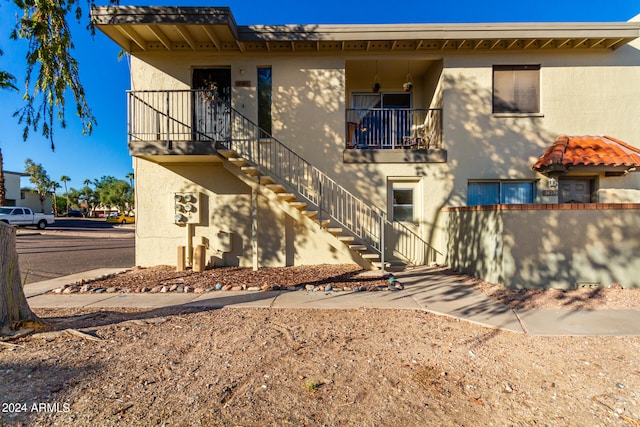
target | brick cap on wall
x=544, y=206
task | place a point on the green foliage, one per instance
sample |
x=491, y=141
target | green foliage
x=7, y=81
x=73, y=196
x=60, y=204
x=114, y=192
x=87, y=196
x=51, y=68
x=311, y=386
x=65, y=179
x=39, y=178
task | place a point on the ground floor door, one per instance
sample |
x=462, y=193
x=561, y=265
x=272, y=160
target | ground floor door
x=212, y=104
x=576, y=190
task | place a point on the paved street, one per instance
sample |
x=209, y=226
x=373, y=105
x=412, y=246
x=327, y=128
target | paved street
x=72, y=246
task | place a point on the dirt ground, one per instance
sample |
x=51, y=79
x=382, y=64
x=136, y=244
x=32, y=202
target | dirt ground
x=263, y=367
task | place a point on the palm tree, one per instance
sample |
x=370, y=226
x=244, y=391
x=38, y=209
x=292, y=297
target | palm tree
x=130, y=176
x=65, y=179
x=54, y=187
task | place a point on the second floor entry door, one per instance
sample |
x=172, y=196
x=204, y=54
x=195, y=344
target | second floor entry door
x=212, y=103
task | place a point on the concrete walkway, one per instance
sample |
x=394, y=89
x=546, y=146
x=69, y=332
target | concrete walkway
x=424, y=290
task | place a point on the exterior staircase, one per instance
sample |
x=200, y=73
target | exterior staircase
x=298, y=209
x=261, y=161
x=312, y=198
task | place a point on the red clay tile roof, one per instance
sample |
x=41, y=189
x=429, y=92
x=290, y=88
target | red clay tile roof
x=589, y=150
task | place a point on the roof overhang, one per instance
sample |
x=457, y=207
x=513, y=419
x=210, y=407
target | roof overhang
x=21, y=174
x=588, y=154
x=147, y=29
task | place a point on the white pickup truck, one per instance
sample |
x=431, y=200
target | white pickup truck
x=14, y=215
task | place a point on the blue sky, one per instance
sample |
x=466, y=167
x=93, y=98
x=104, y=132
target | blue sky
x=106, y=79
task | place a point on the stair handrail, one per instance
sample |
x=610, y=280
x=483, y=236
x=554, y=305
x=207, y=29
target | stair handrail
x=378, y=215
x=366, y=221
x=259, y=158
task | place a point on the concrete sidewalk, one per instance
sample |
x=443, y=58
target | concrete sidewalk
x=424, y=290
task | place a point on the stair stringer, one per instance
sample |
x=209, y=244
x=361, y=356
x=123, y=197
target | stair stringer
x=298, y=216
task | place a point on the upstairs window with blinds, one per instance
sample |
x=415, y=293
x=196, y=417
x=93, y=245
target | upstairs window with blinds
x=516, y=89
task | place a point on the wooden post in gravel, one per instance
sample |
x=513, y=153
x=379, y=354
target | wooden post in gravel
x=180, y=265
x=198, y=258
x=13, y=304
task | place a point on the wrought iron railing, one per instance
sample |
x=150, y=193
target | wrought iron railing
x=177, y=115
x=186, y=115
x=389, y=128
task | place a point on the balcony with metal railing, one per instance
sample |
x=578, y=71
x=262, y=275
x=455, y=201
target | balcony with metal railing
x=194, y=122
x=382, y=134
x=184, y=122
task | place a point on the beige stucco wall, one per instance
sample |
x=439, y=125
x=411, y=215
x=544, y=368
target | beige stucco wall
x=546, y=248
x=225, y=207
x=12, y=187
x=581, y=93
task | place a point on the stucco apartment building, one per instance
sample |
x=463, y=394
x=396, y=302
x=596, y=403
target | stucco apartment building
x=16, y=196
x=503, y=150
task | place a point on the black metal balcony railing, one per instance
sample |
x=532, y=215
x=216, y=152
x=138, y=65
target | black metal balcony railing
x=177, y=115
x=389, y=128
x=195, y=115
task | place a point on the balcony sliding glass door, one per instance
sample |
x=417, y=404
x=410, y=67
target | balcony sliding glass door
x=380, y=119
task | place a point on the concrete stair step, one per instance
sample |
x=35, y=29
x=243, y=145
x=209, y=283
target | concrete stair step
x=370, y=257
x=346, y=238
x=378, y=264
x=276, y=188
x=238, y=161
x=334, y=230
x=358, y=247
x=287, y=196
x=250, y=170
x=324, y=223
x=310, y=214
x=226, y=153
x=298, y=205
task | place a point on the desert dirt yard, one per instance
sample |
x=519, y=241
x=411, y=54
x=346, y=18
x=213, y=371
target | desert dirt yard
x=263, y=367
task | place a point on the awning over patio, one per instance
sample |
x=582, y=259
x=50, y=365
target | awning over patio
x=586, y=152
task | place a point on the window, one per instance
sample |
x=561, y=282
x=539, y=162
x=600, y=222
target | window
x=500, y=192
x=381, y=100
x=516, y=88
x=17, y=212
x=403, y=204
x=265, y=85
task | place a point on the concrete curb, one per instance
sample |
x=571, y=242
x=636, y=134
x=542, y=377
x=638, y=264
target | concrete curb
x=432, y=293
x=40, y=288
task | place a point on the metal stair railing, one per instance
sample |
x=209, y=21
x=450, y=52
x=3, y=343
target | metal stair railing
x=181, y=115
x=293, y=172
x=367, y=222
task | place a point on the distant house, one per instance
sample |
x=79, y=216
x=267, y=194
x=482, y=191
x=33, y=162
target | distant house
x=31, y=199
x=480, y=146
x=12, y=187
x=18, y=196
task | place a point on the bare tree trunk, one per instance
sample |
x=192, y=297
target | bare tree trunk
x=13, y=304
